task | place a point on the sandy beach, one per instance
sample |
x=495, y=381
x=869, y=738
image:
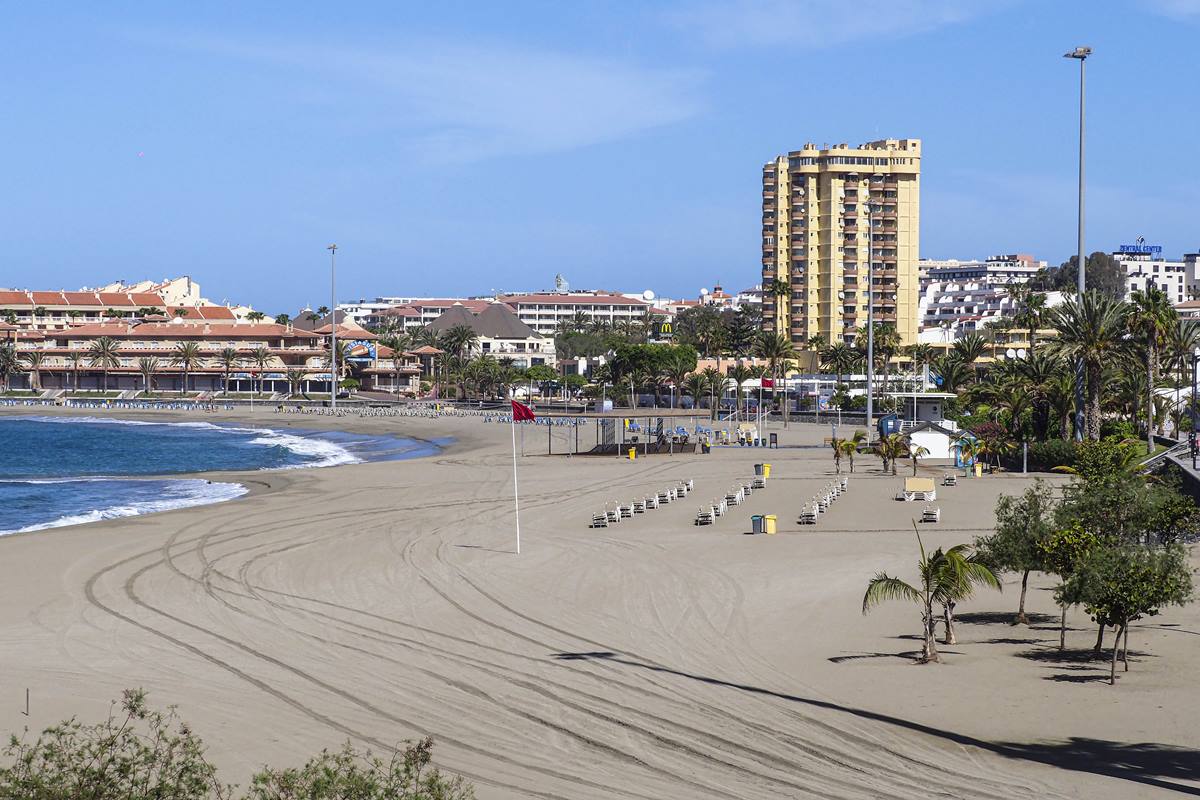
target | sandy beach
x=653, y=659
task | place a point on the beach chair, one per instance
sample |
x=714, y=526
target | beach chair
x=949, y=480
x=652, y=502
x=931, y=514
x=626, y=512
x=907, y=497
x=759, y=483
x=845, y=483
x=682, y=490
x=664, y=497
x=690, y=484
x=808, y=515
x=599, y=520
x=734, y=498
x=614, y=514
x=704, y=516
x=639, y=506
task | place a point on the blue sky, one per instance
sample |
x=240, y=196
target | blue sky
x=459, y=147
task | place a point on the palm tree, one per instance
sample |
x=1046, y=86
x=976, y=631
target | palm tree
x=716, y=389
x=916, y=451
x=1032, y=314
x=460, y=340
x=10, y=363
x=853, y=444
x=841, y=358
x=921, y=354
x=74, y=358
x=779, y=352
x=887, y=344
x=228, y=357
x=103, y=353
x=953, y=372
x=696, y=386
x=260, y=357
x=1091, y=330
x=943, y=577
x=739, y=374
x=33, y=361
x=782, y=292
x=968, y=350
x=256, y=316
x=148, y=367
x=835, y=444
x=186, y=356
x=1152, y=315
x=892, y=448
x=295, y=378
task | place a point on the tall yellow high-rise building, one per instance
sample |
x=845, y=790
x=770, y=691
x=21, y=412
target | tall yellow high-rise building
x=820, y=209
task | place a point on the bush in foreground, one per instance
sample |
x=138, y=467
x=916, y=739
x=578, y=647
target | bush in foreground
x=138, y=753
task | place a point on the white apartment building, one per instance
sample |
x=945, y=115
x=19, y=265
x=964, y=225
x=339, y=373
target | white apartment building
x=1180, y=280
x=994, y=271
x=960, y=297
x=542, y=311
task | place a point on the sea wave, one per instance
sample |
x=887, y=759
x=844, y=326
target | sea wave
x=322, y=452
x=194, y=492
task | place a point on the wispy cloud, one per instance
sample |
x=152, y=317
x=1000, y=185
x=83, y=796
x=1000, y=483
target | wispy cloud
x=448, y=101
x=823, y=23
x=1176, y=9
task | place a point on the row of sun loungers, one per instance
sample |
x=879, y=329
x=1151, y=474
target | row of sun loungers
x=623, y=511
x=823, y=500
x=735, y=496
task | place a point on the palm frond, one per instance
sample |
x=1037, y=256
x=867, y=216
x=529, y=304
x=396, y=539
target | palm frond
x=883, y=587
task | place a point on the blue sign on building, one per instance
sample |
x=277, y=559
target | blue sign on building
x=1141, y=248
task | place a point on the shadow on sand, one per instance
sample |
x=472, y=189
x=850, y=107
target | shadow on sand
x=1147, y=763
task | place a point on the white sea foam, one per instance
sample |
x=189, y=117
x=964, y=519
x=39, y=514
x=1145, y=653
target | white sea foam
x=198, y=493
x=323, y=452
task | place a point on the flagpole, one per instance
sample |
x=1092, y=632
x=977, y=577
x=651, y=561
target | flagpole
x=516, y=501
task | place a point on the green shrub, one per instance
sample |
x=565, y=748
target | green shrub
x=142, y=754
x=1045, y=456
x=1118, y=428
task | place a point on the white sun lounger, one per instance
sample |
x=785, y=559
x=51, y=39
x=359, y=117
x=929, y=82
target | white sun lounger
x=626, y=512
x=704, y=516
x=808, y=515
x=639, y=506
x=931, y=514
x=599, y=520
x=759, y=483
x=652, y=502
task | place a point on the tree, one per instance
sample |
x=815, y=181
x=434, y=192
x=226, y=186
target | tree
x=1124, y=583
x=103, y=353
x=922, y=355
x=460, y=340
x=700, y=326
x=717, y=384
x=968, y=350
x=697, y=387
x=1091, y=329
x=260, y=357
x=1061, y=553
x=186, y=356
x=739, y=374
x=779, y=353
x=148, y=367
x=283, y=319
x=915, y=452
x=295, y=379
x=852, y=444
x=75, y=358
x=1105, y=275
x=943, y=577
x=1023, y=523
x=958, y=575
x=1152, y=315
x=892, y=448
x=835, y=444
x=256, y=316
x=228, y=358
x=10, y=364
x=952, y=372
x=33, y=362
x=841, y=358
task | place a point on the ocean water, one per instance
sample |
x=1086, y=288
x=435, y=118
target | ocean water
x=57, y=471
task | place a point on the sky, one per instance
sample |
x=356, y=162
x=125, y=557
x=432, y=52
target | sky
x=457, y=148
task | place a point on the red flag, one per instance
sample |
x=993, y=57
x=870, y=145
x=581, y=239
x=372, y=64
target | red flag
x=768, y=383
x=521, y=412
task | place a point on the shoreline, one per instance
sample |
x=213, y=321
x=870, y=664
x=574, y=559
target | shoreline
x=249, y=479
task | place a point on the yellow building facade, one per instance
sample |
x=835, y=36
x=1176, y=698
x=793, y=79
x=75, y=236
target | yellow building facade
x=825, y=212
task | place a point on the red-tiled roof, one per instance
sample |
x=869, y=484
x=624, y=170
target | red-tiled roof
x=180, y=330
x=145, y=299
x=48, y=299
x=14, y=298
x=114, y=299
x=203, y=312
x=81, y=298
x=426, y=350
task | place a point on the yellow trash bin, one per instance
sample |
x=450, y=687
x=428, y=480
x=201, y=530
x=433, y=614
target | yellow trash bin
x=769, y=523
x=979, y=470
x=766, y=470
x=632, y=453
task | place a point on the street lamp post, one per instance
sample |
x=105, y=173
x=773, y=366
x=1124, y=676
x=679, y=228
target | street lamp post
x=1192, y=433
x=333, y=365
x=1080, y=54
x=870, y=313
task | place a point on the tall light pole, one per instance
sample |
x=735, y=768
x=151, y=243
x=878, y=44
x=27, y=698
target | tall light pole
x=333, y=365
x=870, y=312
x=1080, y=54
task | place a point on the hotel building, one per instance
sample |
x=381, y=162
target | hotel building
x=817, y=238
